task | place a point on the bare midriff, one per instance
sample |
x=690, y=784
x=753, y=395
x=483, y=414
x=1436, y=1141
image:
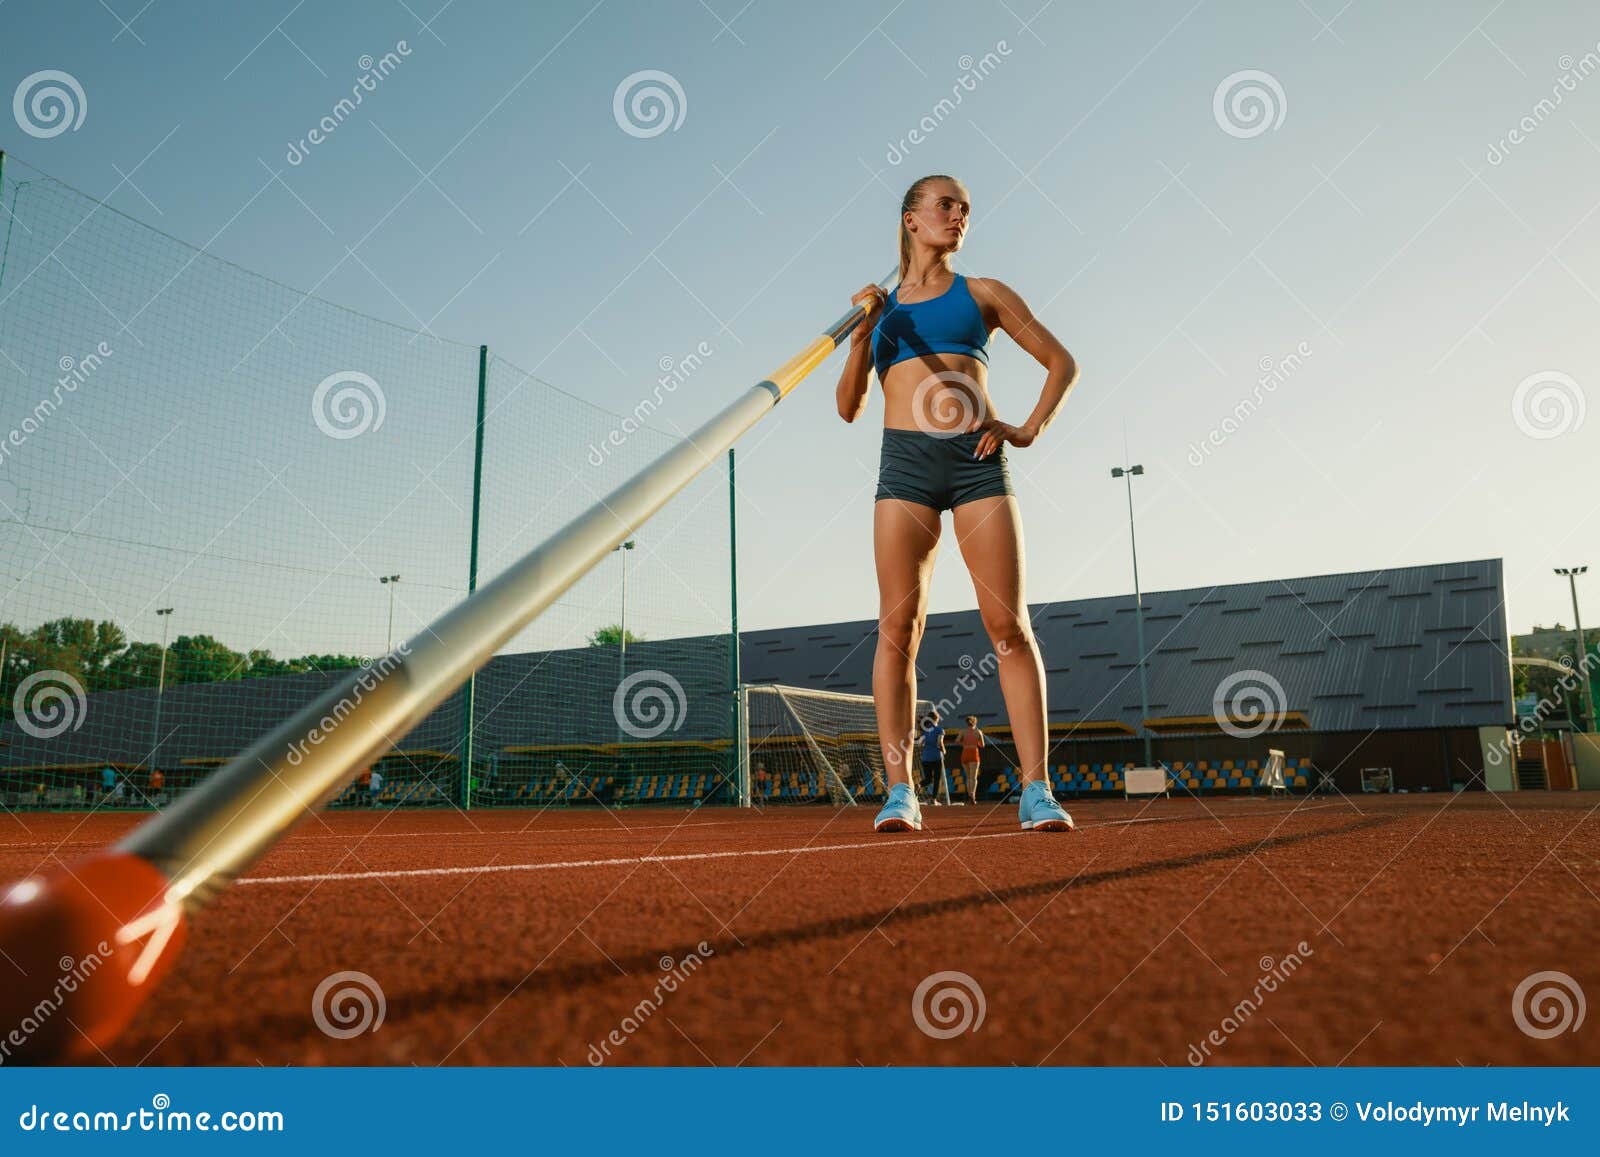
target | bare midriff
x=936, y=394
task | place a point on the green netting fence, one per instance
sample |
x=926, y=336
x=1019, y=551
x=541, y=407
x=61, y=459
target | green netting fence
x=216, y=491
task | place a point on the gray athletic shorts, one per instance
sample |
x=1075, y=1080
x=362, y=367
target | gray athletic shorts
x=939, y=472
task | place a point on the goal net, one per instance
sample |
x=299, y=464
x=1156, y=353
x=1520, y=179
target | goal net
x=808, y=746
x=285, y=535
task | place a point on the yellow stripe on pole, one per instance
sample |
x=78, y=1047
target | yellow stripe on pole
x=181, y=858
x=789, y=375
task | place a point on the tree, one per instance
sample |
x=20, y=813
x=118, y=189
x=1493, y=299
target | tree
x=203, y=659
x=13, y=662
x=611, y=636
x=138, y=666
x=90, y=645
x=323, y=663
x=1544, y=684
x=99, y=657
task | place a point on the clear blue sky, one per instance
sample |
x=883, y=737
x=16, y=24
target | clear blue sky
x=1174, y=258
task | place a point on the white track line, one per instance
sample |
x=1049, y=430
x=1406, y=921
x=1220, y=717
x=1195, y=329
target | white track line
x=680, y=857
x=288, y=841
x=533, y=830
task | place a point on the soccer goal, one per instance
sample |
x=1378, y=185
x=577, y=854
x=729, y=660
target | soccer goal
x=809, y=746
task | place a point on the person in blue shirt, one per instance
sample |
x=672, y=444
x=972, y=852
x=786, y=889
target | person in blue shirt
x=932, y=756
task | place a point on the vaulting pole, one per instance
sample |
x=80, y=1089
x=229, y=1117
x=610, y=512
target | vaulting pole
x=126, y=906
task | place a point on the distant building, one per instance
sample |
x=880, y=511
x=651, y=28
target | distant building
x=1405, y=668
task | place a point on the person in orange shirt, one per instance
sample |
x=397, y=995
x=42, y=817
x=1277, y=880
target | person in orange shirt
x=972, y=744
x=364, y=782
x=157, y=782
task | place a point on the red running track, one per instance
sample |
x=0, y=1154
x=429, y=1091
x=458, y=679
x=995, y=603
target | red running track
x=1376, y=930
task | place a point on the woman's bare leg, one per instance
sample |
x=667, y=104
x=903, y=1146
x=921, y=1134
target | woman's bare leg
x=905, y=537
x=989, y=532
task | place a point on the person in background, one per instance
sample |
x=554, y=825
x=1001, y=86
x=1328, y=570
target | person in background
x=932, y=755
x=39, y=792
x=374, y=786
x=108, y=779
x=763, y=782
x=364, y=783
x=158, y=782
x=972, y=745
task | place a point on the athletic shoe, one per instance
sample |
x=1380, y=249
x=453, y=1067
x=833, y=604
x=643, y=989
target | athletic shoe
x=901, y=812
x=1038, y=810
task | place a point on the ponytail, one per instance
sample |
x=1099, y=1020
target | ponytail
x=909, y=202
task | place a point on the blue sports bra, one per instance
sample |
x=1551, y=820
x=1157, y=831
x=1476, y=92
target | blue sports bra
x=948, y=324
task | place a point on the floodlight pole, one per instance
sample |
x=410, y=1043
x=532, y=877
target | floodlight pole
x=1126, y=474
x=163, y=614
x=1571, y=573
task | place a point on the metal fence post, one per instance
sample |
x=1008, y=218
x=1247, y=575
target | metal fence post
x=472, y=575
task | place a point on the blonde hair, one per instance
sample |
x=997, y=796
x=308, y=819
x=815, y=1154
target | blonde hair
x=909, y=202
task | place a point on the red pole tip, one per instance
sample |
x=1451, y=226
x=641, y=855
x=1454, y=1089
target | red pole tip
x=91, y=940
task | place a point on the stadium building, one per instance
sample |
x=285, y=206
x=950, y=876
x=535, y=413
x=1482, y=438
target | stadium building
x=1404, y=669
